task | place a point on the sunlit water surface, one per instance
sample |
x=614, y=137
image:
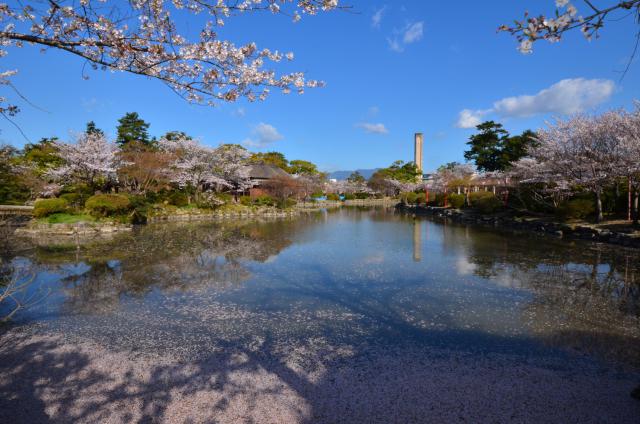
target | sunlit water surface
x=346, y=279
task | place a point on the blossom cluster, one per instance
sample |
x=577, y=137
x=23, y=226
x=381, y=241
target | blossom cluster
x=565, y=18
x=203, y=167
x=91, y=158
x=590, y=152
x=144, y=37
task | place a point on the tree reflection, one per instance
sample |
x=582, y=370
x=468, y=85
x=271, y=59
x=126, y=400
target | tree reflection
x=587, y=297
x=180, y=257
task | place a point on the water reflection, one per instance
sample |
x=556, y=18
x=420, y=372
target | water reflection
x=349, y=276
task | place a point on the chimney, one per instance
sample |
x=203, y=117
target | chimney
x=417, y=155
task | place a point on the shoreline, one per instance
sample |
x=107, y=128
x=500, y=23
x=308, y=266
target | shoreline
x=99, y=228
x=533, y=225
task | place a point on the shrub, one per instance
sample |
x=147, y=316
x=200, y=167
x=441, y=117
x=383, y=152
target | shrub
x=576, y=209
x=75, y=200
x=437, y=200
x=485, y=202
x=178, y=199
x=288, y=203
x=333, y=197
x=264, y=200
x=82, y=189
x=108, y=204
x=421, y=198
x=362, y=196
x=224, y=197
x=46, y=207
x=456, y=200
x=408, y=197
x=349, y=196
x=246, y=201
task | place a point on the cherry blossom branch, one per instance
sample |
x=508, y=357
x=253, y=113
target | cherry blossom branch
x=142, y=37
x=532, y=29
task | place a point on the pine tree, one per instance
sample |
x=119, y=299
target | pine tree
x=132, y=129
x=93, y=129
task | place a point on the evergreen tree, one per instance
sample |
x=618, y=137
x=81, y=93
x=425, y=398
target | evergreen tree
x=93, y=129
x=493, y=149
x=356, y=178
x=176, y=135
x=132, y=128
x=271, y=158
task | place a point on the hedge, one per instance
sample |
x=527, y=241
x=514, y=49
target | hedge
x=576, y=209
x=485, y=202
x=46, y=207
x=108, y=204
x=178, y=199
x=262, y=200
x=456, y=200
x=75, y=199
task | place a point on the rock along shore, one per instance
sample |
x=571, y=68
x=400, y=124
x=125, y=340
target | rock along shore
x=536, y=225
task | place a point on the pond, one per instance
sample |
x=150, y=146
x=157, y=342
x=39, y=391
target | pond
x=331, y=286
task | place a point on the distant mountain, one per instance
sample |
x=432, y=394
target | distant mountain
x=343, y=175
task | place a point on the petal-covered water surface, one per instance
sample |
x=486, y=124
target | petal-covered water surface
x=346, y=278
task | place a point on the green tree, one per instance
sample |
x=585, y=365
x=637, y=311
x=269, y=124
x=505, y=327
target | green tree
x=271, y=158
x=12, y=188
x=132, y=128
x=493, y=149
x=41, y=156
x=302, y=167
x=400, y=171
x=176, y=135
x=356, y=178
x=93, y=129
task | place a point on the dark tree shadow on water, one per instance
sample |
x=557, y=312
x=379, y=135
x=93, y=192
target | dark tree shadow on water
x=42, y=381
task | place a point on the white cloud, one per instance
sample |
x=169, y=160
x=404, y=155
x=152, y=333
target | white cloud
x=374, y=110
x=373, y=128
x=376, y=19
x=566, y=97
x=470, y=118
x=395, y=45
x=239, y=112
x=263, y=135
x=413, y=33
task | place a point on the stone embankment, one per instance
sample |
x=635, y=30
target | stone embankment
x=536, y=225
x=323, y=204
x=258, y=213
x=79, y=228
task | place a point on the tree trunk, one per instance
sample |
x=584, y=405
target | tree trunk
x=636, y=211
x=599, y=215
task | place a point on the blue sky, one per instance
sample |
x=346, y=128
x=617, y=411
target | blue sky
x=416, y=68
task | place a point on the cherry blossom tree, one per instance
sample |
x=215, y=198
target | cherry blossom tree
x=568, y=17
x=91, y=160
x=150, y=38
x=310, y=184
x=539, y=181
x=230, y=163
x=629, y=154
x=193, y=164
x=582, y=151
x=453, y=175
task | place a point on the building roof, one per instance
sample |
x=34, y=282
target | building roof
x=265, y=171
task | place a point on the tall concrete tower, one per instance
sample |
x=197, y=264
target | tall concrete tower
x=417, y=154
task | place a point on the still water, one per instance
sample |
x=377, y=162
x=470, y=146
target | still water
x=349, y=277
